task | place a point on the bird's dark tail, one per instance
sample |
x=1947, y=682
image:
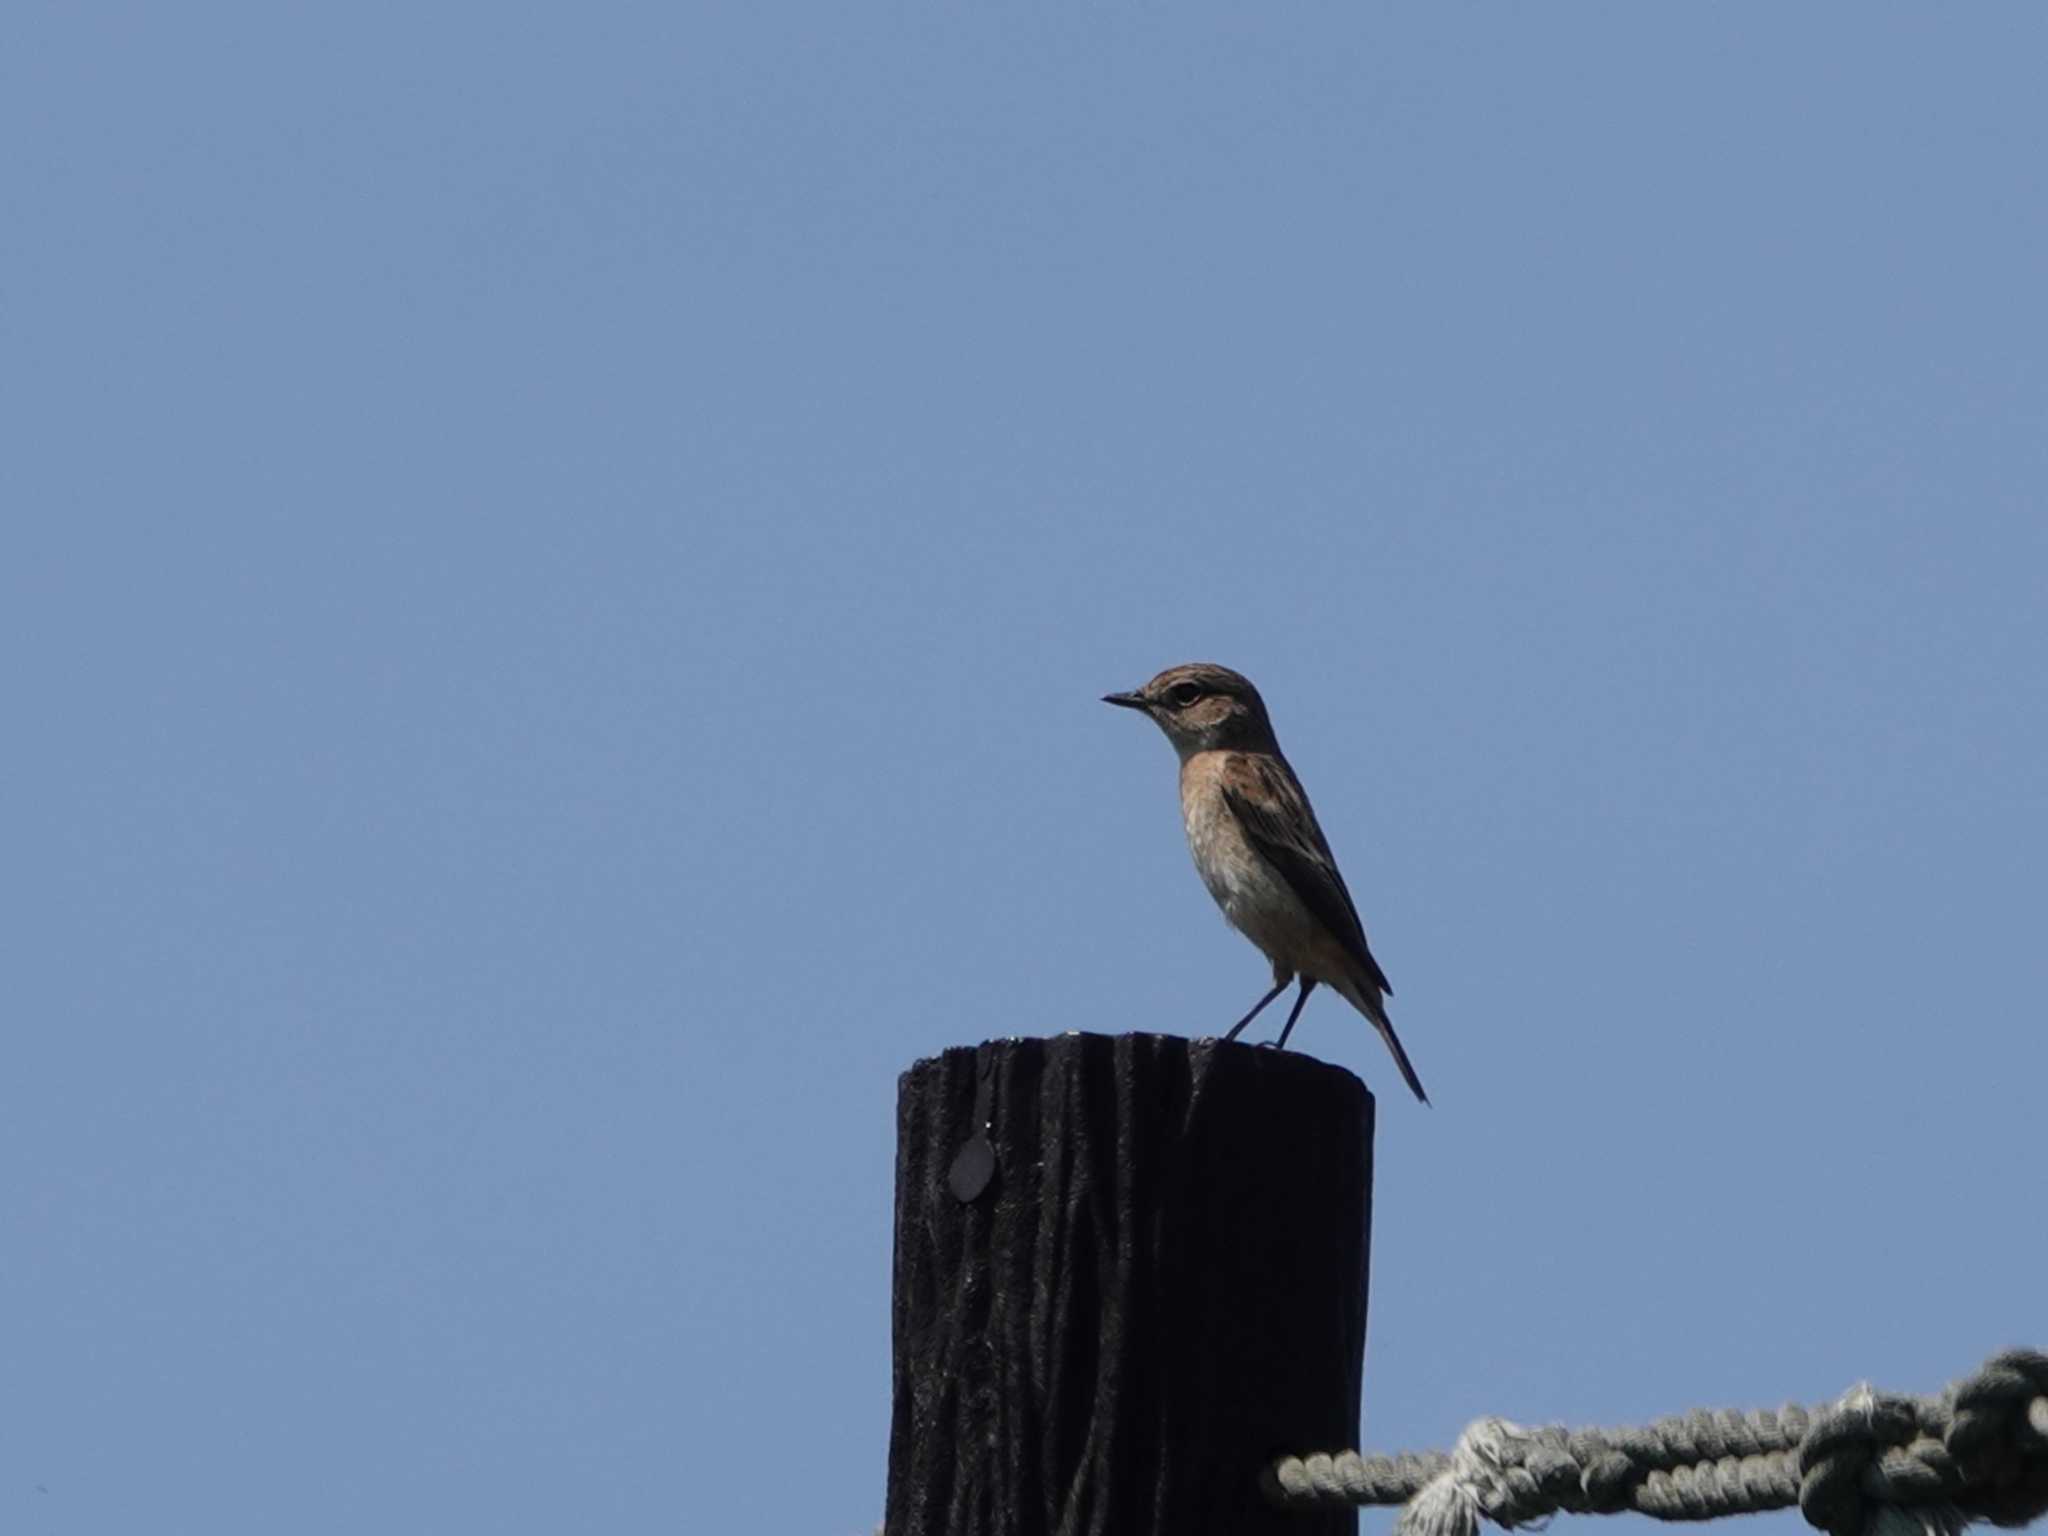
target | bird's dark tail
x=1366, y=999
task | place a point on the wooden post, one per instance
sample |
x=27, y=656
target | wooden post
x=1157, y=1287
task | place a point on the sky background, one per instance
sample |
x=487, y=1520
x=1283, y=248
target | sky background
x=558, y=566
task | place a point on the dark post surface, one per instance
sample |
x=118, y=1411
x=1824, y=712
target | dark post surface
x=1162, y=1287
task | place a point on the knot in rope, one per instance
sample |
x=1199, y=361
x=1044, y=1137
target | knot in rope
x=1869, y=1450
x=1999, y=1435
x=1476, y=1477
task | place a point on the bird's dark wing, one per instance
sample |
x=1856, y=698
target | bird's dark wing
x=1269, y=804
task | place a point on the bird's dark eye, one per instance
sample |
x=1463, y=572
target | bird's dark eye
x=1184, y=694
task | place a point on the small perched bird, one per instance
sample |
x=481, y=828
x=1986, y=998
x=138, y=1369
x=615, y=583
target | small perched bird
x=1258, y=848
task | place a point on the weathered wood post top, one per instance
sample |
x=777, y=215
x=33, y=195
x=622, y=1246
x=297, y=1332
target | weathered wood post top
x=1129, y=1272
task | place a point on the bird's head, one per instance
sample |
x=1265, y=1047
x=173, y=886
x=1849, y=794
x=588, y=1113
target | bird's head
x=1203, y=707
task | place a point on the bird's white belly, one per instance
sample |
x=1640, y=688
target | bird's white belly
x=1254, y=897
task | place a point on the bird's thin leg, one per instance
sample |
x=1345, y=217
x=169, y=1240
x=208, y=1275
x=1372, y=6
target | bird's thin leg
x=1238, y=1028
x=1307, y=986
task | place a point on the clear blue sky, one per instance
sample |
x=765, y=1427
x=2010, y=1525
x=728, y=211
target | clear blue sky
x=559, y=563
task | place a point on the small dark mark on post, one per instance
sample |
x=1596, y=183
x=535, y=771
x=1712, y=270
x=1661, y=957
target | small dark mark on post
x=975, y=1163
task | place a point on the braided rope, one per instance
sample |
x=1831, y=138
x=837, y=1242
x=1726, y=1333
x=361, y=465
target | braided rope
x=1870, y=1464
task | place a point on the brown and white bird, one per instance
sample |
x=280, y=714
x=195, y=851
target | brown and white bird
x=1258, y=848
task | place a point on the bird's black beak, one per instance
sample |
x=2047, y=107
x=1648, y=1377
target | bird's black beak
x=1126, y=700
